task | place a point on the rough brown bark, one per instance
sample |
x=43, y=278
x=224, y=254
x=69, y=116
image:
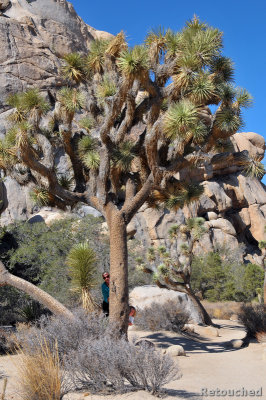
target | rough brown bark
x=118, y=271
x=36, y=293
x=199, y=307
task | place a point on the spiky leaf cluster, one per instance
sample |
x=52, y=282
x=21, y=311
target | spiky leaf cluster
x=82, y=264
x=123, y=156
x=75, y=68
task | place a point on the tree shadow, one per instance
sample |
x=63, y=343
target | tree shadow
x=190, y=344
x=183, y=394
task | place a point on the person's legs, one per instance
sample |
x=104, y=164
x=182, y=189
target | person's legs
x=105, y=308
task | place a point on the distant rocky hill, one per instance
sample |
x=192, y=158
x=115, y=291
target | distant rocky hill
x=34, y=35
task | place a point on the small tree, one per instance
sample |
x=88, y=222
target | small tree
x=172, y=269
x=147, y=123
x=82, y=267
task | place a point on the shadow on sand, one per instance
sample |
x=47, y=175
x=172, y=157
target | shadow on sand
x=190, y=342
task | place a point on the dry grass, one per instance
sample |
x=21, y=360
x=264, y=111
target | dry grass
x=40, y=375
x=222, y=310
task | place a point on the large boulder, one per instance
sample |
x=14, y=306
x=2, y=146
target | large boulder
x=254, y=143
x=143, y=296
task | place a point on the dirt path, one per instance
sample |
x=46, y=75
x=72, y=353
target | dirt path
x=209, y=365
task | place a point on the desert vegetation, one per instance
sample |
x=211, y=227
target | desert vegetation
x=130, y=149
x=136, y=125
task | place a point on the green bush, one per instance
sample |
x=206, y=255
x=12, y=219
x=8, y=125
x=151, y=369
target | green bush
x=219, y=278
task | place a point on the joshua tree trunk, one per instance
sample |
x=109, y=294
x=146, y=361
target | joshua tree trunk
x=199, y=307
x=118, y=272
x=36, y=293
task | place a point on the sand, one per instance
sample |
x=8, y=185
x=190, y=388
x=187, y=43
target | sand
x=209, y=369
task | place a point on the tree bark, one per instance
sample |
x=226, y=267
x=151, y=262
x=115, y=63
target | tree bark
x=118, y=272
x=206, y=319
x=36, y=293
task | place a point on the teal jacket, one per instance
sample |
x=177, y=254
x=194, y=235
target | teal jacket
x=105, y=292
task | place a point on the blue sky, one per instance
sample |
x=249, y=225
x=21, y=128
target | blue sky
x=242, y=21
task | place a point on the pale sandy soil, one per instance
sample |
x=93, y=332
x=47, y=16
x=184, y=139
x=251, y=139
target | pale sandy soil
x=209, y=364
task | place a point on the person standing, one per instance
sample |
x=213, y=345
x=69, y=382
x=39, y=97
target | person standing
x=105, y=293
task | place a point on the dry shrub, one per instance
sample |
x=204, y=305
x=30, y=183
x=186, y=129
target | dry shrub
x=106, y=366
x=40, y=373
x=253, y=317
x=221, y=310
x=91, y=358
x=68, y=334
x=166, y=316
x=261, y=337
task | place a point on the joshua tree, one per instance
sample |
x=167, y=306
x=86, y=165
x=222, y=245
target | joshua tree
x=82, y=265
x=146, y=122
x=6, y=278
x=171, y=268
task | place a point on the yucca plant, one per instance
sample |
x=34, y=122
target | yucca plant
x=33, y=102
x=106, y=88
x=180, y=118
x=123, y=156
x=86, y=123
x=202, y=89
x=40, y=196
x=15, y=101
x=182, y=196
x=134, y=63
x=91, y=160
x=81, y=261
x=226, y=93
x=8, y=157
x=87, y=149
x=173, y=231
x=116, y=45
x=172, y=44
x=71, y=101
x=222, y=69
x=74, y=68
x=228, y=121
x=243, y=99
x=156, y=42
x=253, y=168
x=96, y=57
x=65, y=181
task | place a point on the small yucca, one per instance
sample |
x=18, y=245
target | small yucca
x=86, y=123
x=81, y=261
x=74, y=68
x=71, y=101
x=96, y=57
x=106, y=88
x=40, y=196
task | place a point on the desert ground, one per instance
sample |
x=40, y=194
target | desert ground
x=210, y=363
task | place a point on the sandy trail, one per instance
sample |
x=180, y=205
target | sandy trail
x=209, y=365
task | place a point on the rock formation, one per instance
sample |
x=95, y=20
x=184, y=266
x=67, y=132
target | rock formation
x=34, y=35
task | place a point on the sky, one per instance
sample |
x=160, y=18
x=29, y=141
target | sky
x=243, y=23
